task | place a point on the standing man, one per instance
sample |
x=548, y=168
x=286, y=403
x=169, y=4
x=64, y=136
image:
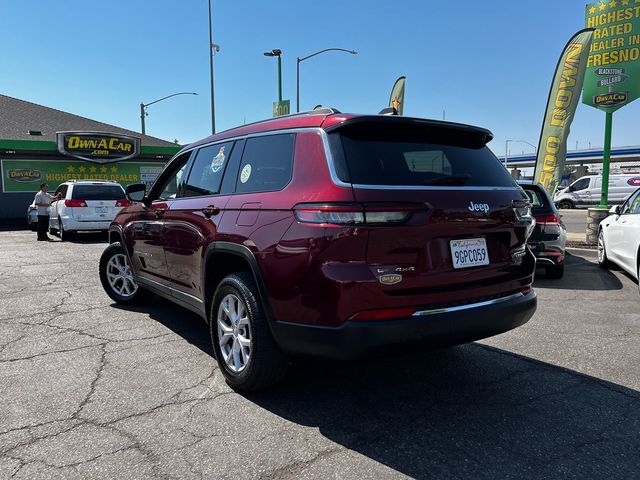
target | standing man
x=43, y=200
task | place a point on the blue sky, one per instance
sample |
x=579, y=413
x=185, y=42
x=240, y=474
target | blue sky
x=487, y=63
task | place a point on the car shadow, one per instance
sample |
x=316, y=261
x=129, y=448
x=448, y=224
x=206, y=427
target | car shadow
x=471, y=411
x=579, y=274
x=87, y=238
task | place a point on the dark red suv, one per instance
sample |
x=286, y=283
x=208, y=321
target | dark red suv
x=329, y=234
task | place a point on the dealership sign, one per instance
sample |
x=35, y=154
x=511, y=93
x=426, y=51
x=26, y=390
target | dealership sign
x=27, y=175
x=613, y=67
x=98, y=147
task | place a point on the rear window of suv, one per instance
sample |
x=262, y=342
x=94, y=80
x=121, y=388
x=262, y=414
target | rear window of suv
x=97, y=192
x=395, y=157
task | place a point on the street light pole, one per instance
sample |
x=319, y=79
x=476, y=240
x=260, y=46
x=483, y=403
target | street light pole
x=143, y=107
x=302, y=59
x=211, y=47
x=276, y=52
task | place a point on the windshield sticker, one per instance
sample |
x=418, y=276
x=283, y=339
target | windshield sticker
x=218, y=161
x=246, y=173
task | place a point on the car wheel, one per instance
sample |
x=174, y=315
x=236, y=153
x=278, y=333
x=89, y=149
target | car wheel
x=64, y=235
x=603, y=261
x=247, y=354
x=557, y=271
x=117, y=278
x=566, y=204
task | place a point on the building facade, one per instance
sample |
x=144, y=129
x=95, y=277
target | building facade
x=40, y=144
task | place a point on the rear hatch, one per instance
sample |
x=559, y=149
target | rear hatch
x=463, y=221
x=96, y=202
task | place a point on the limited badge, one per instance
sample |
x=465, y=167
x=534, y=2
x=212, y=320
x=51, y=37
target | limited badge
x=245, y=173
x=390, y=278
x=218, y=161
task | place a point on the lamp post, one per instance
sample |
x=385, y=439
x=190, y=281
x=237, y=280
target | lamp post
x=302, y=59
x=506, y=149
x=276, y=52
x=212, y=48
x=143, y=107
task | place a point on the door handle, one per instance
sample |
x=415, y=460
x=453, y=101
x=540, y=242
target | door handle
x=159, y=212
x=210, y=211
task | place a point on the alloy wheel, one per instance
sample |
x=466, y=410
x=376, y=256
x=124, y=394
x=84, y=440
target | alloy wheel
x=601, y=252
x=120, y=277
x=234, y=333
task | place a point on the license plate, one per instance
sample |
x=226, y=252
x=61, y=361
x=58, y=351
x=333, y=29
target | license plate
x=470, y=252
x=101, y=209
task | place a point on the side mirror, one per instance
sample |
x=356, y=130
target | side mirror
x=615, y=210
x=136, y=192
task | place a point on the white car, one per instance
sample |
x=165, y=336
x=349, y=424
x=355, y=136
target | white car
x=85, y=205
x=619, y=236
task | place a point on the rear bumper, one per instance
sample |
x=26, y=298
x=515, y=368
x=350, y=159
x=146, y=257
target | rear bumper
x=439, y=327
x=73, y=225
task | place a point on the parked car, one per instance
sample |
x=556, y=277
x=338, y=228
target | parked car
x=619, y=236
x=586, y=191
x=331, y=235
x=32, y=216
x=549, y=237
x=85, y=205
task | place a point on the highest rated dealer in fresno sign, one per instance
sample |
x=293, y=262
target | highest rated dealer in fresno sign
x=613, y=66
x=98, y=147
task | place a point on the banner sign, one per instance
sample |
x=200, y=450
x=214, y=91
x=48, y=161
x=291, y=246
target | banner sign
x=281, y=108
x=561, y=107
x=27, y=175
x=613, y=67
x=396, y=100
x=98, y=147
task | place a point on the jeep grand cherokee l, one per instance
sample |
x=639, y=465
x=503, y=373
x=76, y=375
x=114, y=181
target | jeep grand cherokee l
x=331, y=235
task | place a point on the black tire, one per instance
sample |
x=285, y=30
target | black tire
x=139, y=296
x=557, y=271
x=267, y=363
x=52, y=231
x=566, y=204
x=65, y=235
x=603, y=261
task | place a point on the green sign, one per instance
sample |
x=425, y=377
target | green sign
x=613, y=67
x=281, y=108
x=27, y=175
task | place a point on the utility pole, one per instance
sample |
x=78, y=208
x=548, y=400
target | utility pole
x=211, y=47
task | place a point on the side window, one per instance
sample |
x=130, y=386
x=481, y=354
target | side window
x=171, y=187
x=267, y=164
x=205, y=176
x=581, y=184
x=633, y=204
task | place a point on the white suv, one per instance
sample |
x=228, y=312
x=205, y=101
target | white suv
x=85, y=205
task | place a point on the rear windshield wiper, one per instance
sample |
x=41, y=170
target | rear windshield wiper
x=455, y=180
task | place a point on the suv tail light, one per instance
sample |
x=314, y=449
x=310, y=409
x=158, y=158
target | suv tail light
x=352, y=213
x=123, y=203
x=547, y=220
x=75, y=203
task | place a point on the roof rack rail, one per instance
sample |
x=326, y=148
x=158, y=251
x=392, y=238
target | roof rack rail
x=319, y=109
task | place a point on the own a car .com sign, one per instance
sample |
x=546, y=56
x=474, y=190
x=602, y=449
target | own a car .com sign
x=27, y=175
x=612, y=79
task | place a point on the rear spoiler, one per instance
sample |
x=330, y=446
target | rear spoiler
x=414, y=129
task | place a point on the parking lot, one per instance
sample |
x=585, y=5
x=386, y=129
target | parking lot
x=92, y=390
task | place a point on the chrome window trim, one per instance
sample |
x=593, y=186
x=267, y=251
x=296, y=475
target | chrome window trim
x=331, y=164
x=436, y=311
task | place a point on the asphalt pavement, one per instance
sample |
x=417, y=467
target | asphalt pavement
x=89, y=389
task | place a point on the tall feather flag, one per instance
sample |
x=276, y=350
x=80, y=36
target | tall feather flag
x=561, y=107
x=396, y=100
